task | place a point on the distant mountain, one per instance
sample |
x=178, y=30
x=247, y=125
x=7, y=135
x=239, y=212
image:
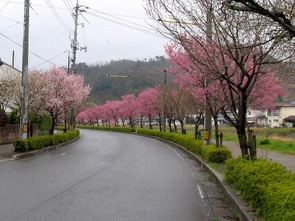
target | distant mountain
x=149, y=73
x=142, y=75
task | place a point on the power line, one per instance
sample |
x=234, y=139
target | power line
x=5, y=5
x=38, y=56
x=59, y=19
x=50, y=59
x=125, y=25
x=52, y=32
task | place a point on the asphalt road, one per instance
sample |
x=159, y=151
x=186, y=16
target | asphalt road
x=109, y=176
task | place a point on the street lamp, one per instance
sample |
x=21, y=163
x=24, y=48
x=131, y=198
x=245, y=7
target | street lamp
x=208, y=117
x=117, y=76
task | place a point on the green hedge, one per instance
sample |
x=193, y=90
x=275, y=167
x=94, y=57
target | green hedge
x=39, y=142
x=267, y=186
x=207, y=152
x=118, y=129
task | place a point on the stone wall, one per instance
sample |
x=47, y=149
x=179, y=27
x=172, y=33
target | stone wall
x=8, y=133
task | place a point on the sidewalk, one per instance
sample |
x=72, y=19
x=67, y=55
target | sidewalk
x=6, y=151
x=285, y=159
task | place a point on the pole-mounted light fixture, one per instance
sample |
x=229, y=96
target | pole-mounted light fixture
x=117, y=76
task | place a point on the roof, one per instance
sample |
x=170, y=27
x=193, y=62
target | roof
x=290, y=118
x=284, y=105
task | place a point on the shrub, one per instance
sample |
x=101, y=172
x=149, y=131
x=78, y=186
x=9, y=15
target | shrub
x=265, y=185
x=215, y=154
x=264, y=142
x=39, y=142
x=21, y=145
x=209, y=153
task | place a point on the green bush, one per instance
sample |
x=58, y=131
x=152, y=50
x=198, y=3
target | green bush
x=265, y=141
x=39, y=142
x=265, y=185
x=215, y=154
x=207, y=152
x=21, y=145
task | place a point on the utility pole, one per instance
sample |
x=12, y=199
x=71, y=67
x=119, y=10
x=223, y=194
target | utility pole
x=208, y=117
x=25, y=60
x=75, y=46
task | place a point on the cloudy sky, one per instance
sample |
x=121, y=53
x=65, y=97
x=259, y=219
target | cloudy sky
x=110, y=29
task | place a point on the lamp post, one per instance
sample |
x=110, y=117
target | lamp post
x=207, y=117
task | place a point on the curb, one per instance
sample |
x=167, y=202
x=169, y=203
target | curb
x=244, y=212
x=44, y=150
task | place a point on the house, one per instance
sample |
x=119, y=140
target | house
x=8, y=76
x=280, y=115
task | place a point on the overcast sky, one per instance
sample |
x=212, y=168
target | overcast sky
x=110, y=29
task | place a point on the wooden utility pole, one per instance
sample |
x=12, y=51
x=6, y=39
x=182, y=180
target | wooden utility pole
x=25, y=60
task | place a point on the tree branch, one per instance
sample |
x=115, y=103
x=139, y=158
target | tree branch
x=253, y=7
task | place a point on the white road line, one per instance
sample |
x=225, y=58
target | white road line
x=63, y=154
x=175, y=152
x=200, y=192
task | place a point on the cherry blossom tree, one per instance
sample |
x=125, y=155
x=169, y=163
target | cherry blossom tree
x=111, y=111
x=129, y=108
x=147, y=101
x=229, y=85
x=64, y=92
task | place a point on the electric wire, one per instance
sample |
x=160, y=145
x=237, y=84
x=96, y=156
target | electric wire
x=50, y=59
x=36, y=55
x=52, y=32
x=59, y=19
x=5, y=29
x=5, y=5
x=116, y=17
x=125, y=25
x=68, y=6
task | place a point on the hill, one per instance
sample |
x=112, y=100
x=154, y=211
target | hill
x=142, y=75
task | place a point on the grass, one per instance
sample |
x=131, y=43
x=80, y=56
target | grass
x=280, y=144
x=276, y=139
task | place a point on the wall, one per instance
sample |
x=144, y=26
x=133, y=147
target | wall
x=8, y=133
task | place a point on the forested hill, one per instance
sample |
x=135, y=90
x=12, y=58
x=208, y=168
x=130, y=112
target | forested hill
x=142, y=75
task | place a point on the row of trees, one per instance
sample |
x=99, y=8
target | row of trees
x=185, y=97
x=150, y=104
x=53, y=92
x=225, y=50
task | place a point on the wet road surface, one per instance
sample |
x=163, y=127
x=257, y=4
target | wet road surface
x=109, y=176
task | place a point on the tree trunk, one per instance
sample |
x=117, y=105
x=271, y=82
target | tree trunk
x=150, y=123
x=141, y=123
x=216, y=130
x=160, y=122
x=243, y=142
x=169, y=124
x=197, y=124
x=175, y=127
x=52, y=125
x=182, y=127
